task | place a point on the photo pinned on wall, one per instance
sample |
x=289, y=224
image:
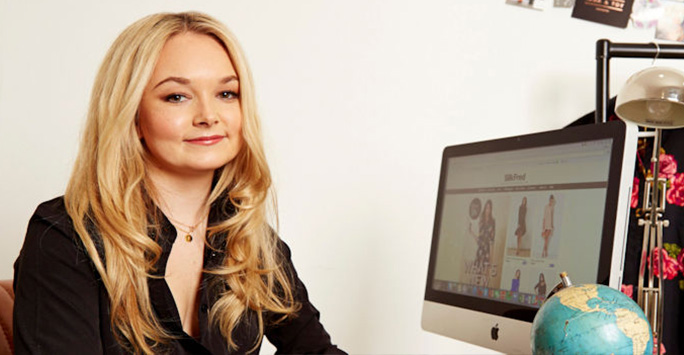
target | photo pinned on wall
x=608, y=12
x=670, y=25
x=646, y=13
x=531, y=4
x=564, y=3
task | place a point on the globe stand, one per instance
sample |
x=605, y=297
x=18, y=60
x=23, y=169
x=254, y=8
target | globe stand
x=650, y=287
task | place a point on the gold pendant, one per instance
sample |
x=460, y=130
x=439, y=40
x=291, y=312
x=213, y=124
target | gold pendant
x=188, y=238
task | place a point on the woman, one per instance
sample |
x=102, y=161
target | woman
x=485, y=237
x=540, y=287
x=547, y=225
x=515, y=282
x=161, y=243
x=522, y=225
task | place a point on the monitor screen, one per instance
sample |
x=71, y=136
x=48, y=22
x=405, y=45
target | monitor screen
x=512, y=214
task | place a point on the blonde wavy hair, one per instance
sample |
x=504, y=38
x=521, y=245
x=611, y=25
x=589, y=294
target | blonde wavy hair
x=109, y=195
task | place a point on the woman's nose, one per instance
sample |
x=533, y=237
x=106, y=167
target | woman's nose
x=206, y=114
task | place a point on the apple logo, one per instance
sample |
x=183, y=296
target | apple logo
x=495, y=332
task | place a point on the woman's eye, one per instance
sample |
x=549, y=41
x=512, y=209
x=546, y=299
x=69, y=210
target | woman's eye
x=175, y=98
x=228, y=95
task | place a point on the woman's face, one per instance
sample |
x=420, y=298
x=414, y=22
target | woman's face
x=189, y=116
x=517, y=274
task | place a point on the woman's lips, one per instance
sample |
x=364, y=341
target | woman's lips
x=210, y=140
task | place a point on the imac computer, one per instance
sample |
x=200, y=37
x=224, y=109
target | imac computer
x=512, y=214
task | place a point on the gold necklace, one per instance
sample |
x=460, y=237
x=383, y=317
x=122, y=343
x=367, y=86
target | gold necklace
x=190, y=229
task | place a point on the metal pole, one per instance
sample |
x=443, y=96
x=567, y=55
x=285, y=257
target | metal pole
x=602, y=80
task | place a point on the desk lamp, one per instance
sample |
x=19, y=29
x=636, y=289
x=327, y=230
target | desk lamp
x=653, y=98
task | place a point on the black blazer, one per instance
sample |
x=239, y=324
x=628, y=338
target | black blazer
x=62, y=306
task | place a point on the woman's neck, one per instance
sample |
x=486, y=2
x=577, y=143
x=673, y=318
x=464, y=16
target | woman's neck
x=183, y=198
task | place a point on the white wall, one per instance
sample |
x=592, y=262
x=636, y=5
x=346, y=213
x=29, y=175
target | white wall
x=358, y=98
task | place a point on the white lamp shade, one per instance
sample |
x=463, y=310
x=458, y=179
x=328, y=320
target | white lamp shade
x=653, y=97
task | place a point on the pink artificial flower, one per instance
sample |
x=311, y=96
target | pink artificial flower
x=675, y=193
x=635, y=193
x=667, y=166
x=627, y=290
x=670, y=265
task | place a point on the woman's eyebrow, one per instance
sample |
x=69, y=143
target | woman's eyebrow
x=177, y=79
x=185, y=81
x=229, y=79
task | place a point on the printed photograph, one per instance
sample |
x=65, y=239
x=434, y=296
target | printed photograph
x=670, y=26
x=646, y=13
x=532, y=4
x=563, y=3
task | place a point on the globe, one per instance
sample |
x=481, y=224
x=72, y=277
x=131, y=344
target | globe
x=590, y=319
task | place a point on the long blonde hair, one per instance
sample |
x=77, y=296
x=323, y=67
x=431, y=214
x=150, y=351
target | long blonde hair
x=108, y=195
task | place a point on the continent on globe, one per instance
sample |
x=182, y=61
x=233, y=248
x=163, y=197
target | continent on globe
x=631, y=324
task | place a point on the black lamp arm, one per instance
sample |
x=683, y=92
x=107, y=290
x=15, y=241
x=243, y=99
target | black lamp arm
x=605, y=50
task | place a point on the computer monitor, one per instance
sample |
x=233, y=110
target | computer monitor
x=512, y=214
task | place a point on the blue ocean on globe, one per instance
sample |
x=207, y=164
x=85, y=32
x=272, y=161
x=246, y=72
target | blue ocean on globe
x=591, y=319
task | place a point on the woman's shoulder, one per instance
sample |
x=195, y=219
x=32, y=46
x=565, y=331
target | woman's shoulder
x=51, y=242
x=51, y=224
x=52, y=208
x=54, y=214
